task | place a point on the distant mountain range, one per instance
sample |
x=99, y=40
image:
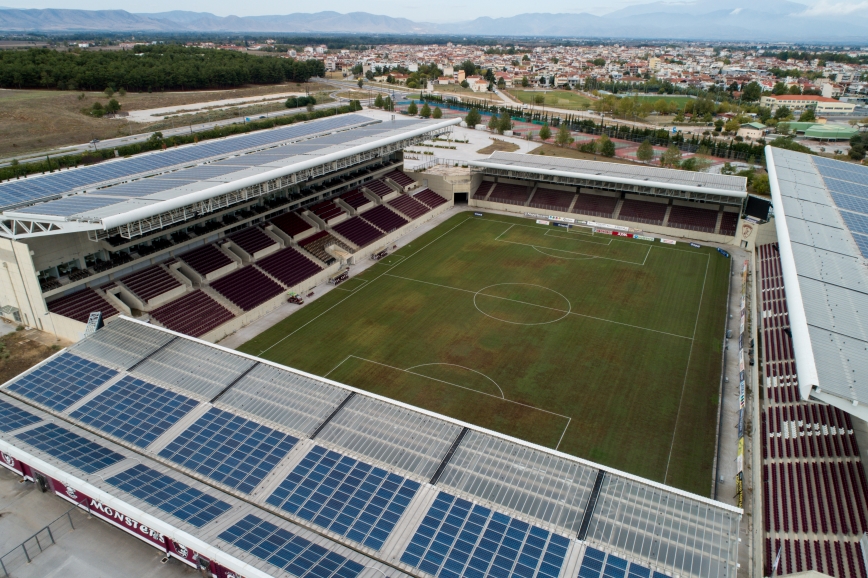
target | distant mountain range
x=737, y=20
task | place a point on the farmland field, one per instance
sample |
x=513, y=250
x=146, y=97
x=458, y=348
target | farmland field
x=601, y=347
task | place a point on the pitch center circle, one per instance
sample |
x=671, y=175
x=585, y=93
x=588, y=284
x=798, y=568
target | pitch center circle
x=542, y=300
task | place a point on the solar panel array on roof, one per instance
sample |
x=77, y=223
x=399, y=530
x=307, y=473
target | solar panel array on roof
x=13, y=418
x=598, y=564
x=848, y=186
x=71, y=205
x=457, y=538
x=173, y=497
x=70, y=448
x=227, y=448
x=16, y=193
x=134, y=410
x=61, y=381
x=122, y=344
x=283, y=549
x=391, y=434
x=285, y=398
x=194, y=367
x=140, y=188
x=346, y=496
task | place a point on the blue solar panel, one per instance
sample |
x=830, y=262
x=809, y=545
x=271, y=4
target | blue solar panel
x=52, y=185
x=70, y=448
x=856, y=222
x=597, y=564
x=230, y=449
x=457, y=538
x=851, y=203
x=853, y=175
x=71, y=205
x=346, y=496
x=848, y=188
x=862, y=242
x=13, y=418
x=143, y=187
x=288, y=551
x=135, y=410
x=170, y=495
x=62, y=381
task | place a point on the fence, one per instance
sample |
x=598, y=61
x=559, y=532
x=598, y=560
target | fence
x=433, y=161
x=25, y=552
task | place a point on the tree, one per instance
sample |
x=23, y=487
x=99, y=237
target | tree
x=465, y=84
x=605, y=146
x=473, y=118
x=501, y=83
x=492, y=122
x=437, y=113
x=732, y=125
x=525, y=58
x=122, y=92
x=426, y=111
x=97, y=110
x=109, y=91
x=539, y=99
x=645, y=152
x=378, y=102
x=563, y=138
x=524, y=81
x=504, y=123
x=795, y=89
x=752, y=92
x=783, y=128
x=779, y=88
x=808, y=116
x=412, y=110
x=783, y=113
x=545, y=133
x=857, y=152
x=361, y=82
x=112, y=107
x=671, y=157
x=760, y=184
x=387, y=103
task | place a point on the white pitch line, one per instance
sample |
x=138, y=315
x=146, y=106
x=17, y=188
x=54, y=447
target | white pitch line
x=542, y=307
x=563, y=433
x=337, y=366
x=537, y=249
x=462, y=367
x=362, y=287
x=364, y=282
x=462, y=387
x=686, y=369
x=571, y=252
x=561, y=235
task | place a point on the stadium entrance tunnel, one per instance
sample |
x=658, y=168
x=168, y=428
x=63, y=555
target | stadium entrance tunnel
x=460, y=198
x=522, y=303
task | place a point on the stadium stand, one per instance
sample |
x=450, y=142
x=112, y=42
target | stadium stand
x=81, y=304
x=430, y=198
x=355, y=198
x=247, y=287
x=289, y=266
x=400, y=179
x=195, y=314
x=379, y=188
x=728, y=223
x=510, y=194
x=358, y=231
x=326, y=210
x=408, y=206
x=693, y=218
x=206, y=259
x=384, y=219
x=814, y=485
x=150, y=282
x=552, y=199
x=316, y=244
x=642, y=212
x=251, y=240
x=595, y=205
x=291, y=224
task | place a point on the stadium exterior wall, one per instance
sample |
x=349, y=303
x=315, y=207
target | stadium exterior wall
x=666, y=231
x=19, y=284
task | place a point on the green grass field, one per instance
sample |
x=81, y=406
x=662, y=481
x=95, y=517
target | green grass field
x=604, y=348
x=555, y=98
x=679, y=100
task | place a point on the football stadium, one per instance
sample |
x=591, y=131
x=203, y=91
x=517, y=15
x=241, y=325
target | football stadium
x=292, y=353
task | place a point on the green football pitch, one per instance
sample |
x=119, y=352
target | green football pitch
x=601, y=347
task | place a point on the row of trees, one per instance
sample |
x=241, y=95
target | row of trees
x=425, y=111
x=148, y=68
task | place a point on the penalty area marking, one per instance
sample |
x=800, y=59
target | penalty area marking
x=502, y=397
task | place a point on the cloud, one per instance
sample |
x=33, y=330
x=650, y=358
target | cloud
x=830, y=8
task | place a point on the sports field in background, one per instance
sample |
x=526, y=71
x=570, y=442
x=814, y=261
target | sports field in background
x=554, y=98
x=601, y=347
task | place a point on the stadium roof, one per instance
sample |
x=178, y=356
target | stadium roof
x=821, y=217
x=626, y=174
x=135, y=402
x=199, y=178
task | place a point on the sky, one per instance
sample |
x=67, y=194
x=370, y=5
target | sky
x=441, y=11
